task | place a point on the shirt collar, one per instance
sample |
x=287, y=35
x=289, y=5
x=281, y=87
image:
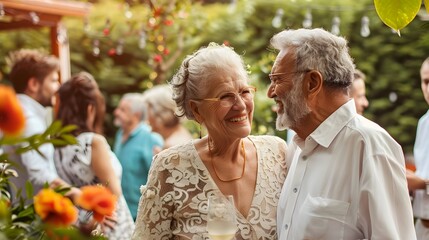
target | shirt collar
x=140, y=127
x=29, y=102
x=326, y=132
x=328, y=129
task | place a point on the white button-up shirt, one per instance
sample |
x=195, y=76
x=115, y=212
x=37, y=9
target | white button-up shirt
x=421, y=158
x=32, y=166
x=346, y=181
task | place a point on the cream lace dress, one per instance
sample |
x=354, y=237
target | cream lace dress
x=173, y=204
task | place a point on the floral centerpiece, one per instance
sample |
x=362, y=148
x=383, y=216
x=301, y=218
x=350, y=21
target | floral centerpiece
x=51, y=215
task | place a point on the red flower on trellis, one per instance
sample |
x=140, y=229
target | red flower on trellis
x=157, y=58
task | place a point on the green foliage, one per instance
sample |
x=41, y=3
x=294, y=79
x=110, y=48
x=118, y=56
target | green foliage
x=391, y=63
x=392, y=66
x=18, y=219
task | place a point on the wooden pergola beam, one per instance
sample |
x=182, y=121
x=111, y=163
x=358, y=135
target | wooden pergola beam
x=49, y=14
x=62, y=8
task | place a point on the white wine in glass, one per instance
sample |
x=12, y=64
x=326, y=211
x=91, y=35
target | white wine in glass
x=221, y=219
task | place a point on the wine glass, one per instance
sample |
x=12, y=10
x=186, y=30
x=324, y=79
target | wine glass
x=221, y=219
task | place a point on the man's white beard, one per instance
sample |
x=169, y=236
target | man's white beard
x=117, y=123
x=282, y=121
x=294, y=109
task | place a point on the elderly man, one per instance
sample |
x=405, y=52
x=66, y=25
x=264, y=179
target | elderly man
x=134, y=146
x=347, y=174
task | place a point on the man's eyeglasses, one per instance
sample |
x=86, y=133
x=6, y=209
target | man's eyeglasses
x=230, y=98
x=274, y=77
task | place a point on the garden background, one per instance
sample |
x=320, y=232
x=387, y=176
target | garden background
x=130, y=46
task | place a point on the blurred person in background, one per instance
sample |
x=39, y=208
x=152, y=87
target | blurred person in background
x=419, y=181
x=358, y=92
x=91, y=161
x=161, y=116
x=35, y=78
x=134, y=145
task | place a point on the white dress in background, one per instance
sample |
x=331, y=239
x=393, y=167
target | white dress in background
x=73, y=164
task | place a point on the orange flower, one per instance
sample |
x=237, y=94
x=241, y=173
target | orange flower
x=12, y=119
x=98, y=199
x=54, y=208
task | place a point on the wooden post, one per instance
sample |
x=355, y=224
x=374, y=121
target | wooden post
x=60, y=48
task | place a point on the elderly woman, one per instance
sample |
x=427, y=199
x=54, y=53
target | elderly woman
x=161, y=116
x=211, y=87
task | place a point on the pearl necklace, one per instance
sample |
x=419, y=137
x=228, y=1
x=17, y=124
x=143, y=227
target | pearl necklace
x=214, y=168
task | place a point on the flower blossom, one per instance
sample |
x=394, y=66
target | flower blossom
x=12, y=119
x=98, y=199
x=54, y=208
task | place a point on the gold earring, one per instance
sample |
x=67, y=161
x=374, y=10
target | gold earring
x=200, y=132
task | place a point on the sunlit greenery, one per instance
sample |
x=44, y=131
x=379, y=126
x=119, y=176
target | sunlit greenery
x=390, y=62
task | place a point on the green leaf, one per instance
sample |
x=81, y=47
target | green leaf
x=59, y=142
x=69, y=138
x=67, y=129
x=29, y=188
x=53, y=128
x=397, y=13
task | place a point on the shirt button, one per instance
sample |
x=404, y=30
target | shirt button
x=286, y=226
x=295, y=190
x=304, y=158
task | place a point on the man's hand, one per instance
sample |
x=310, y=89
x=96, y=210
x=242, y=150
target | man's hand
x=414, y=182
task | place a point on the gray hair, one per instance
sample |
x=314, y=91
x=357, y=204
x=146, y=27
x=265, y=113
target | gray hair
x=160, y=98
x=199, y=68
x=358, y=74
x=137, y=105
x=317, y=49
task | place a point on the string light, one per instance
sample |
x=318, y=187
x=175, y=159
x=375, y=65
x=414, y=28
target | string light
x=393, y=97
x=128, y=13
x=120, y=47
x=277, y=20
x=364, y=30
x=336, y=25
x=96, y=48
x=34, y=18
x=62, y=35
x=142, y=39
x=232, y=6
x=308, y=19
x=86, y=26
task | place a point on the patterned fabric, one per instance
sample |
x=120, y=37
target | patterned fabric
x=73, y=163
x=174, y=202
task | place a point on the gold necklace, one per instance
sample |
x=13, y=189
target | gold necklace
x=214, y=168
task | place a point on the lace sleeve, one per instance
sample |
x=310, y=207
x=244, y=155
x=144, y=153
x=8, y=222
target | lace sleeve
x=156, y=208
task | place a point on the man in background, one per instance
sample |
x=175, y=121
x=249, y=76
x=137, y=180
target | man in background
x=34, y=76
x=419, y=181
x=134, y=146
x=358, y=92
